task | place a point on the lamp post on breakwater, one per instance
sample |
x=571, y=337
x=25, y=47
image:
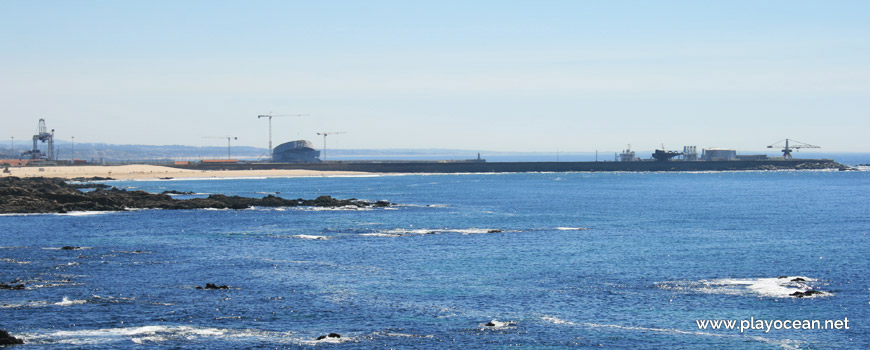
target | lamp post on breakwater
x=229, y=154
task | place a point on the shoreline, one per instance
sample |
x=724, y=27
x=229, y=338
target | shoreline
x=157, y=172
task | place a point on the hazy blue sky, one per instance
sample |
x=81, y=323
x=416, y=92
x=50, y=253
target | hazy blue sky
x=494, y=75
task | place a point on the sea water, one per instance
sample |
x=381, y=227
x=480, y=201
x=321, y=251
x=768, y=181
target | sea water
x=548, y=260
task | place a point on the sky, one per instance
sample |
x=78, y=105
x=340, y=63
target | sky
x=500, y=75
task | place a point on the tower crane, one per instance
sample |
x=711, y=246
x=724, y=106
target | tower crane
x=229, y=156
x=789, y=145
x=270, y=116
x=325, y=134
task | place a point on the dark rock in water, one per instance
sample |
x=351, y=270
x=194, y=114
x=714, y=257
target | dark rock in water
x=12, y=286
x=806, y=294
x=8, y=339
x=52, y=195
x=330, y=335
x=495, y=323
x=781, y=277
x=69, y=247
x=213, y=286
x=798, y=279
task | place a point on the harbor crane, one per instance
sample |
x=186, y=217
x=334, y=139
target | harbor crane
x=43, y=135
x=325, y=133
x=789, y=145
x=270, y=116
x=229, y=156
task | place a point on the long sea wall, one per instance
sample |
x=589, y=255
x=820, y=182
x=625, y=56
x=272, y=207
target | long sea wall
x=513, y=167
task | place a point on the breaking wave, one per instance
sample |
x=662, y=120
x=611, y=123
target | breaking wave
x=159, y=334
x=773, y=287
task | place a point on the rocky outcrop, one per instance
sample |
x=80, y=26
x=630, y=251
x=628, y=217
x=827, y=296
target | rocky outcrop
x=330, y=335
x=213, y=286
x=808, y=293
x=8, y=339
x=51, y=195
x=12, y=286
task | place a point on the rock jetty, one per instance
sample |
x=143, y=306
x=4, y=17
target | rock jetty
x=53, y=195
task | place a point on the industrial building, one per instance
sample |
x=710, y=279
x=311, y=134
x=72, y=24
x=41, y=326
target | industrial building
x=718, y=154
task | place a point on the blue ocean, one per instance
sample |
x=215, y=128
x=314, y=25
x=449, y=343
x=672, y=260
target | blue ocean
x=465, y=261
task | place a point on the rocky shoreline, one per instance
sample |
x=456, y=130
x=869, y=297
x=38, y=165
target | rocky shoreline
x=54, y=195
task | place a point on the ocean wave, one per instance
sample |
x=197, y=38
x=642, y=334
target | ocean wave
x=379, y=234
x=561, y=228
x=344, y=208
x=13, y=261
x=67, y=302
x=555, y=320
x=159, y=334
x=773, y=287
x=425, y=231
x=782, y=343
x=311, y=237
x=85, y=213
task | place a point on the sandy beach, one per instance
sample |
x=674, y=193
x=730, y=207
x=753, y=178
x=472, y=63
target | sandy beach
x=148, y=172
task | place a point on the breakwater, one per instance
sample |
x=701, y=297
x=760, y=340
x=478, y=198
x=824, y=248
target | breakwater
x=521, y=167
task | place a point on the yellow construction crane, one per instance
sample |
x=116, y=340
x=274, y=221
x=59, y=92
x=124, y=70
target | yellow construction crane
x=325, y=133
x=789, y=145
x=270, y=116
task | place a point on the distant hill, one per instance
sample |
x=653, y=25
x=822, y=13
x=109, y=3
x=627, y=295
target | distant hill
x=126, y=153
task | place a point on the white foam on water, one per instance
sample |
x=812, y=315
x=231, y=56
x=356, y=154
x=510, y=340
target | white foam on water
x=138, y=335
x=38, y=303
x=312, y=237
x=425, y=231
x=555, y=320
x=67, y=302
x=85, y=213
x=378, y=234
x=783, y=343
x=344, y=208
x=571, y=228
x=13, y=261
x=773, y=287
x=405, y=335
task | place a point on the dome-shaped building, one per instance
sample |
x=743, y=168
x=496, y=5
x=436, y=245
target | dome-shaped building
x=299, y=151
